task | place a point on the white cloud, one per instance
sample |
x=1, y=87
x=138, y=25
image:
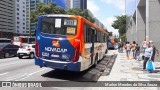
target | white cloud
x=108, y=23
x=91, y=5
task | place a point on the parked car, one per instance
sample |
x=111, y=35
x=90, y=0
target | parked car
x=26, y=50
x=7, y=50
x=111, y=46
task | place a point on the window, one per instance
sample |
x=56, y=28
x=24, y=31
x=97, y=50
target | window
x=17, y=13
x=59, y=26
x=23, y=15
x=17, y=17
x=23, y=10
x=17, y=5
x=23, y=27
x=87, y=33
x=23, y=23
x=17, y=22
x=17, y=31
x=17, y=9
x=17, y=0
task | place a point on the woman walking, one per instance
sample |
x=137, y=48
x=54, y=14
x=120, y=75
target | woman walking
x=133, y=49
x=148, y=55
x=128, y=49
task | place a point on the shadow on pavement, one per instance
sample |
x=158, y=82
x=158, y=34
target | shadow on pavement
x=92, y=74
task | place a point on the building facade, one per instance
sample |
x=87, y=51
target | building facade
x=20, y=16
x=61, y=3
x=82, y=4
x=68, y=4
x=145, y=22
x=7, y=18
x=30, y=6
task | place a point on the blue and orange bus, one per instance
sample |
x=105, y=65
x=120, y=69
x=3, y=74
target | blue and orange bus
x=68, y=42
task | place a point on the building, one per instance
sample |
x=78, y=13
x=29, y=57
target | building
x=82, y=4
x=61, y=3
x=145, y=22
x=68, y=4
x=20, y=16
x=30, y=6
x=7, y=18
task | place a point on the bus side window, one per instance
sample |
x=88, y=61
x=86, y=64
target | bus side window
x=87, y=33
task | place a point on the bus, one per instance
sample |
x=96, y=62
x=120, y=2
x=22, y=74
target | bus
x=20, y=40
x=5, y=41
x=68, y=42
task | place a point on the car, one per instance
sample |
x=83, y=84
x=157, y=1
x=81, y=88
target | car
x=7, y=50
x=26, y=50
x=111, y=46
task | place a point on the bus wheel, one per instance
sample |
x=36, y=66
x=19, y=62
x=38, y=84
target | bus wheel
x=96, y=60
x=106, y=51
x=6, y=55
x=20, y=57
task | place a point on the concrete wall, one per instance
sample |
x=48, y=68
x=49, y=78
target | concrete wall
x=154, y=22
x=141, y=13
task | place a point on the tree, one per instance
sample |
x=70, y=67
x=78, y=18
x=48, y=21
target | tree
x=83, y=13
x=106, y=30
x=42, y=9
x=120, y=24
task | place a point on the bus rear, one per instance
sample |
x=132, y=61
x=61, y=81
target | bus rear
x=58, y=42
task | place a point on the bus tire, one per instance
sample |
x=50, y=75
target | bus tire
x=96, y=61
x=106, y=51
x=20, y=57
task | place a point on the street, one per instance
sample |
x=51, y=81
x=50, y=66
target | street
x=15, y=69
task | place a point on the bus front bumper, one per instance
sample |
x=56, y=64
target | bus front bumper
x=70, y=66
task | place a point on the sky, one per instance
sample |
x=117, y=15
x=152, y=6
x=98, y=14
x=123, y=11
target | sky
x=106, y=10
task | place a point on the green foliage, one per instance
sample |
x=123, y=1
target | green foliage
x=110, y=33
x=106, y=30
x=83, y=13
x=123, y=38
x=120, y=24
x=43, y=9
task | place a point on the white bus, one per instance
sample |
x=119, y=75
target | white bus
x=20, y=40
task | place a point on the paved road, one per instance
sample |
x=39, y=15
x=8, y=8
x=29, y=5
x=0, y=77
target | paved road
x=15, y=69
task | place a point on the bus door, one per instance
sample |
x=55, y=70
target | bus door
x=92, y=45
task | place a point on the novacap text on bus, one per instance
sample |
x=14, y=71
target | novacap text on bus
x=68, y=42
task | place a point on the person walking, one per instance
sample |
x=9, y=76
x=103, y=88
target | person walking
x=137, y=52
x=144, y=46
x=133, y=47
x=147, y=54
x=155, y=51
x=128, y=49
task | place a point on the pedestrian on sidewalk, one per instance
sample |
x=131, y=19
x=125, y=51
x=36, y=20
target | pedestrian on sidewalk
x=155, y=51
x=148, y=55
x=133, y=47
x=128, y=49
x=137, y=52
x=144, y=46
x=119, y=47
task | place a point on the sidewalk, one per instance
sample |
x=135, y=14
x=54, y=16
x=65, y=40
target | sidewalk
x=129, y=70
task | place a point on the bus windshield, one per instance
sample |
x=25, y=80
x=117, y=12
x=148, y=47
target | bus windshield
x=59, y=26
